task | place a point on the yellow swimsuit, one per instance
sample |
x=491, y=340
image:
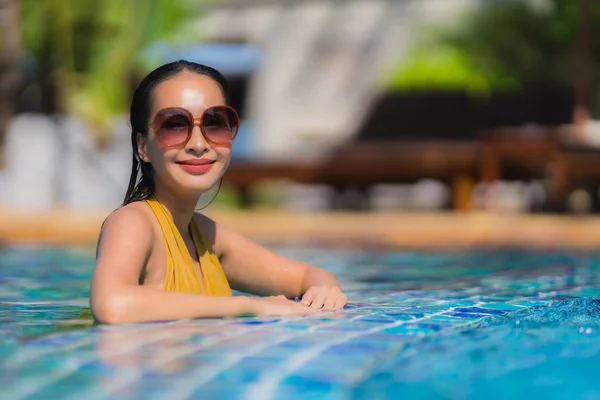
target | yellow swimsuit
x=180, y=274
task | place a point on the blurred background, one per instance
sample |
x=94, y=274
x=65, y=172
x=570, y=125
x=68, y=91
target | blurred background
x=357, y=105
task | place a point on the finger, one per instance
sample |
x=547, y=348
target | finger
x=340, y=302
x=319, y=299
x=331, y=299
x=309, y=296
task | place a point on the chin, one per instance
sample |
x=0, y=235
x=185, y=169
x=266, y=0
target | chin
x=199, y=183
x=201, y=188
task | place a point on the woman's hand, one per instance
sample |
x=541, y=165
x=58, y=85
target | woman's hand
x=277, y=305
x=324, y=298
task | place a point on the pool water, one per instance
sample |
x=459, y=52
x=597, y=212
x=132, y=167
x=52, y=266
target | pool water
x=429, y=325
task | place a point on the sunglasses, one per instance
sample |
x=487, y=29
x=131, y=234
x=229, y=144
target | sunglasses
x=173, y=126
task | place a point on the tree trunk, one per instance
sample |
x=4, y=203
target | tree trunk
x=10, y=72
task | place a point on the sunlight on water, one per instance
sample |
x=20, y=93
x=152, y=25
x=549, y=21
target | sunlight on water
x=456, y=325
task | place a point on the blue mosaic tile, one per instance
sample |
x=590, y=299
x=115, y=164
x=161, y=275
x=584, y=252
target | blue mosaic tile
x=418, y=324
x=296, y=387
x=503, y=307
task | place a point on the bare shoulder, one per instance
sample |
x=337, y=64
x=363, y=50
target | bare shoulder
x=132, y=221
x=134, y=216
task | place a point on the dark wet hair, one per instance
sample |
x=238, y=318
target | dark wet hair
x=141, y=182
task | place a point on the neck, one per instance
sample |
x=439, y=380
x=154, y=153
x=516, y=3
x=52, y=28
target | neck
x=181, y=208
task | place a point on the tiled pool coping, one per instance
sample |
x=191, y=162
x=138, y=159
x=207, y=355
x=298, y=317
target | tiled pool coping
x=376, y=228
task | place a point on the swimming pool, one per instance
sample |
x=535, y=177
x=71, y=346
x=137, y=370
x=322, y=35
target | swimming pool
x=429, y=325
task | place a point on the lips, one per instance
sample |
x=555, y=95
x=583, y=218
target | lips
x=196, y=161
x=196, y=166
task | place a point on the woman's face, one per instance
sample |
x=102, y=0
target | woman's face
x=194, y=163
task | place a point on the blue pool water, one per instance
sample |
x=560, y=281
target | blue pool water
x=424, y=325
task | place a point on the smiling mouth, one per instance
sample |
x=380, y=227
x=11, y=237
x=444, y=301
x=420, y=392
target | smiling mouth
x=196, y=166
x=196, y=162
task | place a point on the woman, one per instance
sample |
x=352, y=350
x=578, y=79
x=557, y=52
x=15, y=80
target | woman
x=158, y=259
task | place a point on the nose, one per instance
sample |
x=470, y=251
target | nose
x=197, y=142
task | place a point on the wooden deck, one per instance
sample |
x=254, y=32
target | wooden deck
x=363, y=164
x=537, y=152
x=341, y=229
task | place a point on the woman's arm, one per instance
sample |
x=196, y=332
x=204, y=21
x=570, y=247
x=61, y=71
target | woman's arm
x=252, y=268
x=117, y=297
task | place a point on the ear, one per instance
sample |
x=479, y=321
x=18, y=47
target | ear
x=142, y=147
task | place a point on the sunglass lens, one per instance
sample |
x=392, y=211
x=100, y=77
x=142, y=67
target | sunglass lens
x=173, y=129
x=220, y=124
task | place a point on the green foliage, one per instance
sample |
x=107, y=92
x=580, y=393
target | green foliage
x=443, y=67
x=89, y=49
x=504, y=44
x=516, y=40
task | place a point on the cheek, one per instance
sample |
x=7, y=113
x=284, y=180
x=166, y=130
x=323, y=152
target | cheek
x=159, y=156
x=223, y=153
